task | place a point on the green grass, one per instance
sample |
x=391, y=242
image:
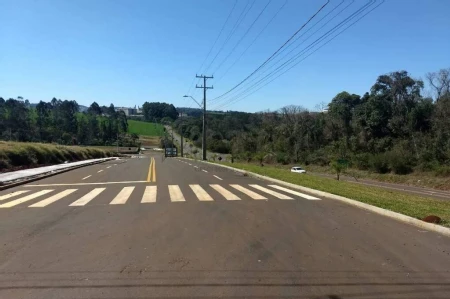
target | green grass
x=410, y=205
x=419, y=179
x=145, y=128
x=19, y=155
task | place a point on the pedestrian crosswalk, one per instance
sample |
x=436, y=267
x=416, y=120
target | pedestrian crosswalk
x=151, y=194
x=86, y=198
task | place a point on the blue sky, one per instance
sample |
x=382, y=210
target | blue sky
x=129, y=52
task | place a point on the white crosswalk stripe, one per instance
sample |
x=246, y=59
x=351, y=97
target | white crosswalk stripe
x=3, y=197
x=175, y=193
x=224, y=192
x=309, y=197
x=271, y=192
x=52, y=199
x=123, y=196
x=24, y=199
x=149, y=194
x=248, y=192
x=87, y=198
x=201, y=194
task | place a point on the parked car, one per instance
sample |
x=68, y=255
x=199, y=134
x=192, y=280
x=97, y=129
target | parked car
x=298, y=169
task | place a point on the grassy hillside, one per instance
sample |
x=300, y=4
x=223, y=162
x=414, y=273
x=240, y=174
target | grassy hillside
x=145, y=128
x=18, y=155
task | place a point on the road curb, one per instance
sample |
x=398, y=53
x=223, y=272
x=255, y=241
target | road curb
x=394, y=215
x=50, y=174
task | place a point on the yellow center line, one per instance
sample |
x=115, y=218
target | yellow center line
x=150, y=171
x=154, y=170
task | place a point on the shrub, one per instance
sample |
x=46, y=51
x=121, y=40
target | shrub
x=338, y=168
x=318, y=157
x=4, y=164
x=16, y=154
x=428, y=166
x=443, y=171
x=259, y=156
x=362, y=161
x=59, y=157
x=19, y=156
x=401, y=162
x=379, y=163
x=282, y=158
x=37, y=152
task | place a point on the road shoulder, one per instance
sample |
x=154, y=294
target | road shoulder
x=391, y=214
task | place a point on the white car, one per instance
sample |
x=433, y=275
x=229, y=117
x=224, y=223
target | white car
x=298, y=169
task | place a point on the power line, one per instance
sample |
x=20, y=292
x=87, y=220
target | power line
x=231, y=33
x=243, y=36
x=254, y=40
x=359, y=11
x=324, y=17
x=236, y=99
x=233, y=30
x=275, y=63
x=214, y=44
x=275, y=53
x=204, y=87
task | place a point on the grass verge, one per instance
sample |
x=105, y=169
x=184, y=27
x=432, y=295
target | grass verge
x=20, y=155
x=145, y=128
x=410, y=205
x=419, y=179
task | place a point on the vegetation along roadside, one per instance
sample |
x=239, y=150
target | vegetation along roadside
x=20, y=155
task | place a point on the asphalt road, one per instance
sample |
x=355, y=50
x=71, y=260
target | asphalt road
x=178, y=229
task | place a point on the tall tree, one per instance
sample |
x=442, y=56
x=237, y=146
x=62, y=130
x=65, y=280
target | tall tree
x=440, y=82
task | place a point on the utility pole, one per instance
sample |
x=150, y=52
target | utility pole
x=173, y=145
x=117, y=143
x=204, y=111
x=181, y=135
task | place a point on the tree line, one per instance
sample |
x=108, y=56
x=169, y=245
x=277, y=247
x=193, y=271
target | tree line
x=159, y=112
x=391, y=128
x=61, y=122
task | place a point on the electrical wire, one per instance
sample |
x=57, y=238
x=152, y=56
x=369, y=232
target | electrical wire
x=214, y=44
x=359, y=11
x=254, y=40
x=274, y=64
x=236, y=99
x=233, y=30
x=275, y=53
x=231, y=33
x=243, y=36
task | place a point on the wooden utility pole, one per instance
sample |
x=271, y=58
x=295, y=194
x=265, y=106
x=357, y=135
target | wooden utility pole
x=204, y=111
x=181, y=134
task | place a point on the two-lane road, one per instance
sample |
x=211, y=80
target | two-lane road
x=151, y=227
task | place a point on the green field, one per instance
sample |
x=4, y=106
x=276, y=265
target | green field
x=145, y=128
x=411, y=205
